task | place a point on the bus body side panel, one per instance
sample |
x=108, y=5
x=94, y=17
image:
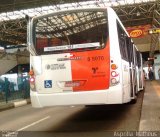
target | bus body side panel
x=92, y=69
x=141, y=79
x=126, y=81
x=123, y=93
x=115, y=92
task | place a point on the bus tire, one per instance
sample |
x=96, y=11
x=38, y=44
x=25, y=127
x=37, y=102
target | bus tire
x=133, y=101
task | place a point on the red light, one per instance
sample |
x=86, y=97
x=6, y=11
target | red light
x=32, y=79
x=114, y=74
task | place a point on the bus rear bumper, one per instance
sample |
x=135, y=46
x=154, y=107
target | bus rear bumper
x=99, y=97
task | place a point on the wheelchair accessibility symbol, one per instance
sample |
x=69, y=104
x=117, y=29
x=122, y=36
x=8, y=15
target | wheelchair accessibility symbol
x=48, y=83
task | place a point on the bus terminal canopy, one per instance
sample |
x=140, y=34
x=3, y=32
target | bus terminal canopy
x=13, y=24
x=18, y=12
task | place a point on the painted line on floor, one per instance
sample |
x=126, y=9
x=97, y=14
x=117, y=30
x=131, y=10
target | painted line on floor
x=34, y=123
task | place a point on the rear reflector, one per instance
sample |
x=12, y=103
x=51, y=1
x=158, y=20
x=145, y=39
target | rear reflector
x=113, y=81
x=32, y=83
x=114, y=73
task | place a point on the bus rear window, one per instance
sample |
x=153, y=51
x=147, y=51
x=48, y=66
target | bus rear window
x=70, y=31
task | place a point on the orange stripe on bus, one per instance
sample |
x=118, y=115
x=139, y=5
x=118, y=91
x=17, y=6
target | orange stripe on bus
x=93, y=68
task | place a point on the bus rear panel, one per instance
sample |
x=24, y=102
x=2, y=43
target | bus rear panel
x=72, y=62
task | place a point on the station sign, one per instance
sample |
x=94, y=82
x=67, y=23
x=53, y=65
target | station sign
x=154, y=31
x=138, y=31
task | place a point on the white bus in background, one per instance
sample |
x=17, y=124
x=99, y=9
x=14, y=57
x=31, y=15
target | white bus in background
x=82, y=57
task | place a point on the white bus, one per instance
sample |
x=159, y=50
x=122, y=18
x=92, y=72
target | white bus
x=82, y=57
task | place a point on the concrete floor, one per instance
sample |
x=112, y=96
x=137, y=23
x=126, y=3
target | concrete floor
x=78, y=121
x=81, y=121
x=150, y=115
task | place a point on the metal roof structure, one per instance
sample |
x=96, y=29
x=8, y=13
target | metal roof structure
x=13, y=24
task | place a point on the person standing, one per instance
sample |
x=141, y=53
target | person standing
x=6, y=89
x=150, y=74
x=159, y=73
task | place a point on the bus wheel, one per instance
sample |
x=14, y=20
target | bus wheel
x=133, y=101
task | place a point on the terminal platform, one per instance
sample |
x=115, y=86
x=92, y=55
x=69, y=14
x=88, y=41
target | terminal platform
x=150, y=114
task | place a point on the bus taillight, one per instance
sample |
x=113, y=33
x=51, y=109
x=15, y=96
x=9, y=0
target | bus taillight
x=31, y=72
x=114, y=74
x=32, y=80
x=32, y=83
x=114, y=66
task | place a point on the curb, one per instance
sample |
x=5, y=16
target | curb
x=21, y=103
x=6, y=107
x=14, y=104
